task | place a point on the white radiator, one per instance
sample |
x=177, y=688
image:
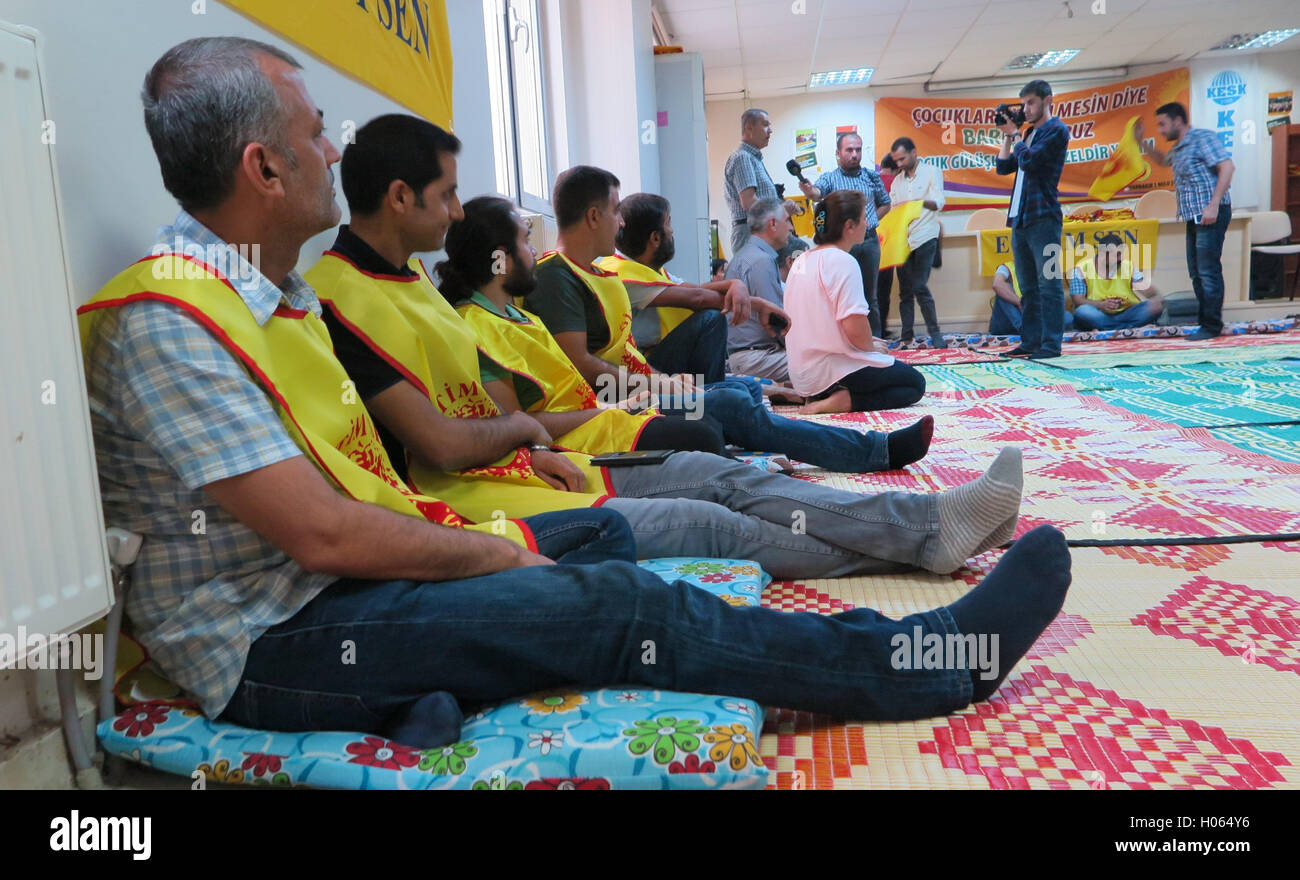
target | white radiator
x=54, y=574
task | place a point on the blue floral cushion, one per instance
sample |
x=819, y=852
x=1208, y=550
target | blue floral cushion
x=616, y=737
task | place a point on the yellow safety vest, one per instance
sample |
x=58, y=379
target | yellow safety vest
x=632, y=272
x=1121, y=286
x=528, y=349
x=611, y=296
x=408, y=323
x=292, y=358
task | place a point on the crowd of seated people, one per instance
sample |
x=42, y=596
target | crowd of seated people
x=443, y=513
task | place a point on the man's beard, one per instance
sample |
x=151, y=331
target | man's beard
x=520, y=281
x=665, y=252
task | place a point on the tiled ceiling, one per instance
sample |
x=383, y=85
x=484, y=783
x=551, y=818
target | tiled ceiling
x=756, y=48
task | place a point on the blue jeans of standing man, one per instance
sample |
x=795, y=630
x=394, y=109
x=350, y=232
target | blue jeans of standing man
x=486, y=639
x=736, y=407
x=868, y=256
x=1006, y=319
x=1205, y=265
x=1042, y=297
x=697, y=346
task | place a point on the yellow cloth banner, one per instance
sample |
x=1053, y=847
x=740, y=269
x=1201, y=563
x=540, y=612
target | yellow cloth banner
x=1078, y=244
x=401, y=48
x=893, y=233
x=1125, y=165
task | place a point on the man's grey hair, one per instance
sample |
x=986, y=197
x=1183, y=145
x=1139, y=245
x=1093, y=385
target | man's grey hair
x=205, y=100
x=762, y=211
x=753, y=114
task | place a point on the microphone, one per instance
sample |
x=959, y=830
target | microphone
x=793, y=167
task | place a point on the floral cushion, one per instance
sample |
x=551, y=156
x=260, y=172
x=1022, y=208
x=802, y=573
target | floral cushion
x=615, y=737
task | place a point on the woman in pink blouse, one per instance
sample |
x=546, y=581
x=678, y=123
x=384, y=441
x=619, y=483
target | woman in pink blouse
x=833, y=359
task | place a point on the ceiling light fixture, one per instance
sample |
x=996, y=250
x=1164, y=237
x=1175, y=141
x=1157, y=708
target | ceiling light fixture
x=1033, y=61
x=846, y=77
x=1256, y=40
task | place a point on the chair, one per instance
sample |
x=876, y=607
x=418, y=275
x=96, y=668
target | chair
x=1275, y=226
x=1159, y=204
x=986, y=218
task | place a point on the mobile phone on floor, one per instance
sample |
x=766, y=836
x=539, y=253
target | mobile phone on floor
x=635, y=457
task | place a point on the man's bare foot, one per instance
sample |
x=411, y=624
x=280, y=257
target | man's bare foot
x=782, y=395
x=838, y=402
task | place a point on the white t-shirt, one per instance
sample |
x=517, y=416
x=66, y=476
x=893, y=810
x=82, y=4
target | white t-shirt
x=825, y=286
x=927, y=185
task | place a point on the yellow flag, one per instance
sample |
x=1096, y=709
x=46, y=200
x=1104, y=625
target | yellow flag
x=401, y=48
x=893, y=233
x=1124, y=166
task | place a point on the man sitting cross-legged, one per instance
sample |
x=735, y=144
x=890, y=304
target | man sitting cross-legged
x=416, y=367
x=1109, y=293
x=586, y=310
x=219, y=393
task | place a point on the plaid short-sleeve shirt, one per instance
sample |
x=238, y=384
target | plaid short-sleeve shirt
x=172, y=411
x=1195, y=177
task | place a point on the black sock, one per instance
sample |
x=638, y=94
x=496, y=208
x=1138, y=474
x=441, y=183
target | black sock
x=1017, y=601
x=910, y=444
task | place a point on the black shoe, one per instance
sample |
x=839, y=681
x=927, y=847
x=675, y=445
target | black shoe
x=1200, y=334
x=1017, y=352
x=1044, y=355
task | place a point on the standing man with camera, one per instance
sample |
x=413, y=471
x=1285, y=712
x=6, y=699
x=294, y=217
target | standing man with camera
x=1034, y=216
x=849, y=174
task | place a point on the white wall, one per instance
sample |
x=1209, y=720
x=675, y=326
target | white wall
x=825, y=110
x=609, y=88
x=96, y=57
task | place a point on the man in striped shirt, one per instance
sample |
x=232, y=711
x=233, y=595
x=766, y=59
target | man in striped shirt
x=1202, y=174
x=745, y=178
x=849, y=174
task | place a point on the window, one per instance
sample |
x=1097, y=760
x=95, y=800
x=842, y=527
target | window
x=520, y=98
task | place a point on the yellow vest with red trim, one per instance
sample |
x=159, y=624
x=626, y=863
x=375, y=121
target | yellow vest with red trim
x=632, y=272
x=529, y=350
x=1120, y=286
x=292, y=358
x=408, y=323
x=616, y=309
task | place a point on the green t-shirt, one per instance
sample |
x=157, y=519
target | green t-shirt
x=528, y=391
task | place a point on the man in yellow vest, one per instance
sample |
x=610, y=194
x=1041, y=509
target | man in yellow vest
x=588, y=312
x=1007, y=305
x=681, y=328
x=1109, y=293
x=437, y=390
x=275, y=530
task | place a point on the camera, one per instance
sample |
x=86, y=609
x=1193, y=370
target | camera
x=1008, y=112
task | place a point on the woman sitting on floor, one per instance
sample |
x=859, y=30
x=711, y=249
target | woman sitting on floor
x=833, y=358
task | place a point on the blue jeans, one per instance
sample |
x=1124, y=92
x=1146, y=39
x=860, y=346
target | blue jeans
x=1090, y=317
x=1205, y=265
x=487, y=639
x=736, y=407
x=1006, y=318
x=1042, y=297
x=697, y=346
x=868, y=256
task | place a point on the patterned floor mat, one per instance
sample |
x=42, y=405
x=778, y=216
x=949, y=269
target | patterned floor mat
x=1168, y=668
x=1279, y=441
x=1003, y=374
x=1202, y=395
x=1080, y=356
x=1099, y=473
x=916, y=357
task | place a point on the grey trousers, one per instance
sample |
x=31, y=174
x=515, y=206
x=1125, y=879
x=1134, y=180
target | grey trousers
x=769, y=363
x=699, y=504
x=739, y=235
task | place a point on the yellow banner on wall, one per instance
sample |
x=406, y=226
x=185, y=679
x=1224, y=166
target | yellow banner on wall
x=1078, y=244
x=401, y=48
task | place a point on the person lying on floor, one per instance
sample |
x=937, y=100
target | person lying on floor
x=591, y=311
x=436, y=412
x=834, y=359
x=679, y=327
x=309, y=539
x=1109, y=293
x=1008, y=306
